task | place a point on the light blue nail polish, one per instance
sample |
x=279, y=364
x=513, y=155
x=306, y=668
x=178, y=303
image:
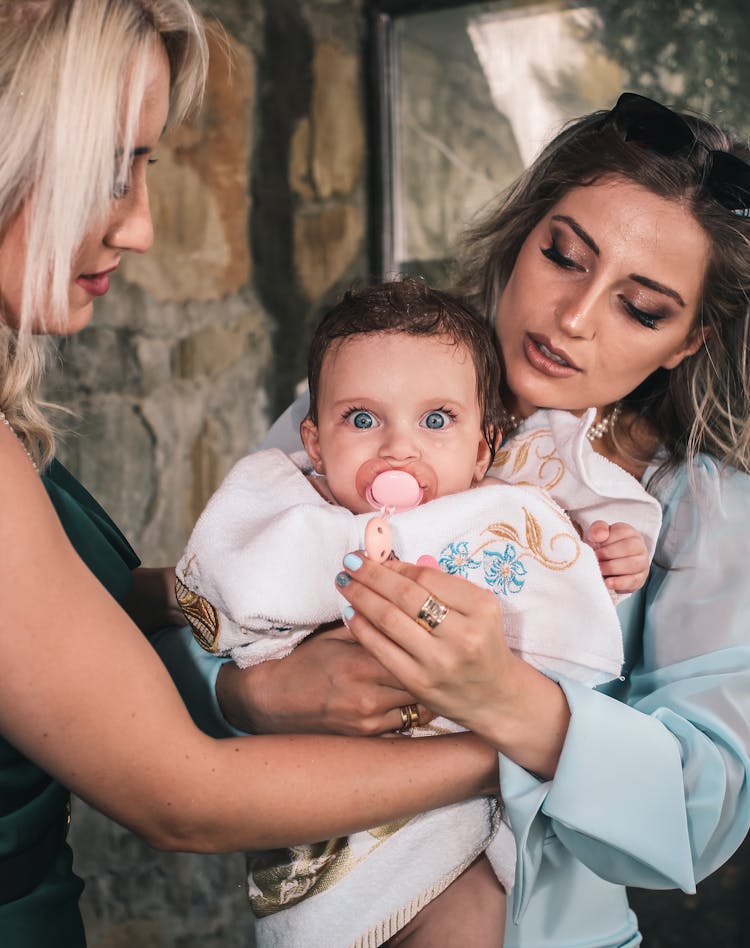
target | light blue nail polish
x=347, y=612
x=343, y=579
x=352, y=561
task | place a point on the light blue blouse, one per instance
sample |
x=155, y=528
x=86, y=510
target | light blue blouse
x=652, y=785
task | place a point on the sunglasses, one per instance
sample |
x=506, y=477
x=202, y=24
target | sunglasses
x=653, y=126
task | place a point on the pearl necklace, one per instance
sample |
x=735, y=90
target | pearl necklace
x=607, y=421
x=596, y=431
x=8, y=425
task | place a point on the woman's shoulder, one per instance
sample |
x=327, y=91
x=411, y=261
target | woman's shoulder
x=704, y=482
x=706, y=507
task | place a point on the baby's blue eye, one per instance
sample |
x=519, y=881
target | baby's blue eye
x=435, y=419
x=362, y=419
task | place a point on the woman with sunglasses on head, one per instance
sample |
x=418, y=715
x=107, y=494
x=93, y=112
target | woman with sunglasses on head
x=616, y=273
x=86, y=89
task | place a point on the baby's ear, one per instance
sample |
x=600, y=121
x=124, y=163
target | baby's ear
x=308, y=431
x=483, y=460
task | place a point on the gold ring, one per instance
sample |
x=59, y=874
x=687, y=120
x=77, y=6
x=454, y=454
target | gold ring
x=431, y=614
x=409, y=717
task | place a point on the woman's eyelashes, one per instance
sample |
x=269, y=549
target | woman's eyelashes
x=560, y=259
x=646, y=318
x=122, y=188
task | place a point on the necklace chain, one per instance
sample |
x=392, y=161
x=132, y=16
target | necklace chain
x=29, y=455
x=596, y=431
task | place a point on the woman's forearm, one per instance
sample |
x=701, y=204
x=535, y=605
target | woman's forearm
x=86, y=698
x=290, y=789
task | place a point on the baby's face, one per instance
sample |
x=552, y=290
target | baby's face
x=396, y=401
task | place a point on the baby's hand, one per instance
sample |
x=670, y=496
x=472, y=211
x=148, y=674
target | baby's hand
x=622, y=554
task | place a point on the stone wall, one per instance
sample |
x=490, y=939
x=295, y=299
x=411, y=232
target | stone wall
x=259, y=214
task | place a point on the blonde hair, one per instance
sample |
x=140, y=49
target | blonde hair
x=703, y=405
x=72, y=76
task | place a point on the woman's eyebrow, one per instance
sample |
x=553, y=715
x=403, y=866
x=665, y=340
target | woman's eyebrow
x=659, y=287
x=590, y=242
x=575, y=226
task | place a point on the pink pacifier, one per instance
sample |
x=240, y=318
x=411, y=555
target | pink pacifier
x=395, y=490
x=391, y=491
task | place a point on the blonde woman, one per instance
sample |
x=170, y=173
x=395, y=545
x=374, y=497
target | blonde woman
x=86, y=89
x=616, y=274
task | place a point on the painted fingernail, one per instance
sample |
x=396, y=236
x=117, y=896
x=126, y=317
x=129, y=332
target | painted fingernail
x=352, y=561
x=343, y=579
x=347, y=613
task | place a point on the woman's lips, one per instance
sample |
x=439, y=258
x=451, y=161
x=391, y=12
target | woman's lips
x=95, y=284
x=546, y=358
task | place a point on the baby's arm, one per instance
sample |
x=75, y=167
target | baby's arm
x=622, y=554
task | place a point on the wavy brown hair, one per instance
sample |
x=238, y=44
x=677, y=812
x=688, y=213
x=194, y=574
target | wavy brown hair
x=704, y=403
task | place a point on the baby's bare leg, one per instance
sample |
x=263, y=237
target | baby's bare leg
x=471, y=911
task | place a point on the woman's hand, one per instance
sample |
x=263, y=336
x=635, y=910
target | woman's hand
x=328, y=685
x=463, y=667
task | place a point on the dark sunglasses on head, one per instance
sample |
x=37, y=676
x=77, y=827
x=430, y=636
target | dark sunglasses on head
x=657, y=128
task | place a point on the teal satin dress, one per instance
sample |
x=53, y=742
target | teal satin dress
x=32, y=804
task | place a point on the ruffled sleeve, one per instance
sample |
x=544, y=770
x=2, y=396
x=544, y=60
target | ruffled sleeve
x=652, y=785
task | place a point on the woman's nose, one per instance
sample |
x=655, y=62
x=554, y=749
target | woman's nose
x=130, y=226
x=577, y=315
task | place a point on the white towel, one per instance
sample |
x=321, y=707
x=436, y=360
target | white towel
x=266, y=549
x=550, y=450
x=378, y=881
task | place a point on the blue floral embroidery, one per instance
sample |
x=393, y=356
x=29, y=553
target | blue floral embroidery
x=457, y=559
x=504, y=572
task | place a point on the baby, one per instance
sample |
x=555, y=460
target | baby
x=403, y=421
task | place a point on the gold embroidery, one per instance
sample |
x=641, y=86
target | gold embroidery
x=520, y=451
x=533, y=543
x=281, y=878
x=284, y=877
x=203, y=618
x=388, y=829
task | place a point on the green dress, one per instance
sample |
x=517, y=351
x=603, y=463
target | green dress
x=33, y=806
